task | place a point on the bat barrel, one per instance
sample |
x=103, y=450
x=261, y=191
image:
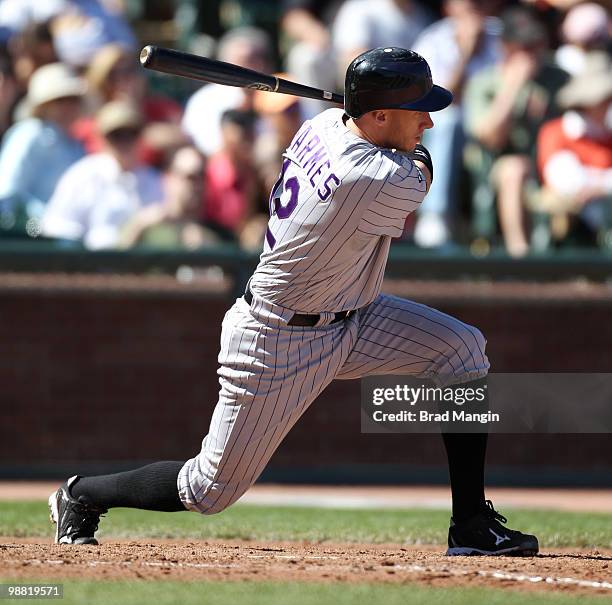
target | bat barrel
x=184, y=64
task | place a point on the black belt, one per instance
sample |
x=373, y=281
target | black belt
x=299, y=319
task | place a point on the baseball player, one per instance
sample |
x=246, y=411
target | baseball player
x=313, y=312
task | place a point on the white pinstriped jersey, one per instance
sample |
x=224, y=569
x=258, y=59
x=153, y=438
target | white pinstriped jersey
x=336, y=206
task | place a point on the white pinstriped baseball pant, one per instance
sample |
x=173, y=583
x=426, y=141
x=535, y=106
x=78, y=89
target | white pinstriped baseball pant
x=271, y=372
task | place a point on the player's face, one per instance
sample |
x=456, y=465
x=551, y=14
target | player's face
x=404, y=129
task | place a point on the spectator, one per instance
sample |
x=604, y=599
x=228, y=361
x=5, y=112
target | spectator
x=31, y=48
x=232, y=188
x=505, y=106
x=262, y=14
x=311, y=58
x=244, y=46
x=159, y=142
x=175, y=222
x=79, y=27
x=17, y=15
x=282, y=118
x=564, y=5
x=575, y=150
x=36, y=151
x=586, y=27
x=362, y=24
x=8, y=91
x=102, y=192
x=114, y=75
x=456, y=47
x=85, y=26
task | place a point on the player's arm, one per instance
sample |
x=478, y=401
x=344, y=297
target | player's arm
x=422, y=160
x=404, y=182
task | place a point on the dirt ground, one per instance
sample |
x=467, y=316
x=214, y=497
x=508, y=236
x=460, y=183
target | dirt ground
x=574, y=570
x=570, y=570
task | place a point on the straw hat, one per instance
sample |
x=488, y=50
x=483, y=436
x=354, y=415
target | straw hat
x=116, y=115
x=590, y=87
x=102, y=63
x=51, y=82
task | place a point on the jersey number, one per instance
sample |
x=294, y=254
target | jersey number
x=291, y=185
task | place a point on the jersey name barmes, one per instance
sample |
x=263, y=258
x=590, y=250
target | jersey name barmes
x=337, y=204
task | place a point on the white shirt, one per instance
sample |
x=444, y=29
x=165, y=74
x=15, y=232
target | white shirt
x=373, y=23
x=95, y=198
x=202, y=117
x=336, y=207
x=438, y=45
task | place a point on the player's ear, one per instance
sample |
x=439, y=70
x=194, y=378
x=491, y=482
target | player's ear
x=380, y=117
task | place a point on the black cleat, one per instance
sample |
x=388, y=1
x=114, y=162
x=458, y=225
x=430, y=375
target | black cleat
x=484, y=534
x=76, y=520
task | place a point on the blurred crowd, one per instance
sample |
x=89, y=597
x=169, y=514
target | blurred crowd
x=92, y=154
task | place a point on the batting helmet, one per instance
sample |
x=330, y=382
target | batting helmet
x=391, y=78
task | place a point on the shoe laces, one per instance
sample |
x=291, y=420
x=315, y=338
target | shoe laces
x=491, y=513
x=86, y=519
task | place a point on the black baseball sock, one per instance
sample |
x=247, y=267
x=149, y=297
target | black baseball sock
x=151, y=487
x=466, y=462
x=466, y=454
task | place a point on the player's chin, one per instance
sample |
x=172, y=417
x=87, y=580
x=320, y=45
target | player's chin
x=405, y=145
x=410, y=145
x=415, y=141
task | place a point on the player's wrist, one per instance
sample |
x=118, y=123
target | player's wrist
x=420, y=153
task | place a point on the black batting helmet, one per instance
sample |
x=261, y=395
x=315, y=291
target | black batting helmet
x=391, y=78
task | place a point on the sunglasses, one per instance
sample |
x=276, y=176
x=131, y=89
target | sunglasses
x=123, y=135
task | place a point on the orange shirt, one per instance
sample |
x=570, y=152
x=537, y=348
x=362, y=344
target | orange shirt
x=592, y=153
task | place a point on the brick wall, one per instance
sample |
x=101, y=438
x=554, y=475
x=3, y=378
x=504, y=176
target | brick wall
x=100, y=378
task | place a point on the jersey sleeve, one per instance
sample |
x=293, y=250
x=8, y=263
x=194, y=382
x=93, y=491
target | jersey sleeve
x=402, y=191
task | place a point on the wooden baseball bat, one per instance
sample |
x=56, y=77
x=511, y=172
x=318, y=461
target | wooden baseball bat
x=187, y=65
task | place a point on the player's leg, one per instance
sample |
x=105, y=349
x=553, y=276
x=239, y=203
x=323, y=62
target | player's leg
x=260, y=400
x=269, y=375
x=77, y=505
x=398, y=336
